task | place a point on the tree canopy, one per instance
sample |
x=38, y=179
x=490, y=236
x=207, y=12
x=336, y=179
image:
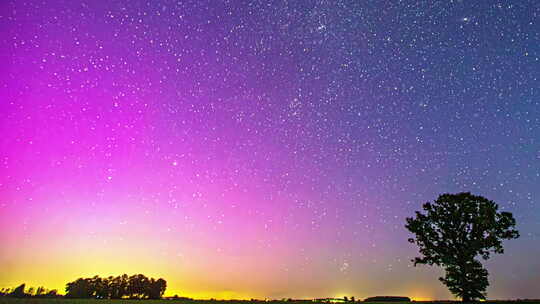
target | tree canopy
x=136, y=287
x=454, y=232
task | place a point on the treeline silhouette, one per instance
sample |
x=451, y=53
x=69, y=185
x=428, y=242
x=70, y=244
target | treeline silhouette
x=21, y=292
x=137, y=286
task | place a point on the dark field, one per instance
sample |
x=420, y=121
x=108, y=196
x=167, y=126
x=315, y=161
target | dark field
x=5, y=300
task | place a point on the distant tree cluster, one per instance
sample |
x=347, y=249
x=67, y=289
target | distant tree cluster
x=134, y=287
x=387, y=299
x=21, y=292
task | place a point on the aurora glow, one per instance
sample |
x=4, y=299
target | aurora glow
x=261, y=149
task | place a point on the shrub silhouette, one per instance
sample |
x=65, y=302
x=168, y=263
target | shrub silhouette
x=454, y=231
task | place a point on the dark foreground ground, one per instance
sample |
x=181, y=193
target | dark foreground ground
x=4, y=300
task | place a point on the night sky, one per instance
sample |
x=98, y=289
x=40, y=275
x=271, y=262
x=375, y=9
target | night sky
x=271, y=149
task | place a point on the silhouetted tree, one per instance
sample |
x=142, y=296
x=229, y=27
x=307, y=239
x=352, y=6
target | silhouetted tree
x=157, y=288
x=138, y=286
x=119, y=286
x=109, y=289
x=81, y=288
x=454, y=231
x=18, y=292
x=100, y=287
x=40, y=291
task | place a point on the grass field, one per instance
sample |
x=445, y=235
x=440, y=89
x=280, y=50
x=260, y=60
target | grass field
x=4, y=300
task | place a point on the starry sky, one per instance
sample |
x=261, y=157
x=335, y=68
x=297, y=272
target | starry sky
x=270, y=149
